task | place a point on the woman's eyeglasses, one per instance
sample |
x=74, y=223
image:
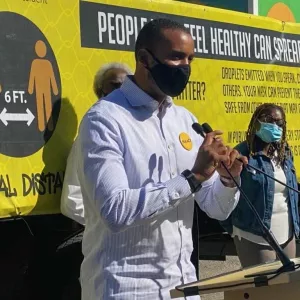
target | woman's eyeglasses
x=271, y=119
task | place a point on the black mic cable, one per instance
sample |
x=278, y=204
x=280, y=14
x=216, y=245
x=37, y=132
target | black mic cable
x=287, y=264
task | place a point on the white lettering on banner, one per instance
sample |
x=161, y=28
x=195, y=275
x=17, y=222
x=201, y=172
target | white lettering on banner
x=262, y=47
x=230, y=42
x=120, y=33
x=287, y=50
x=111, y=28
x=119, y=28
x=198, y=35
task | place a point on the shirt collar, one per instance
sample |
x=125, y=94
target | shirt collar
x=137, y=97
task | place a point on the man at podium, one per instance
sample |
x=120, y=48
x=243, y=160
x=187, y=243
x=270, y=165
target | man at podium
x=141, y=165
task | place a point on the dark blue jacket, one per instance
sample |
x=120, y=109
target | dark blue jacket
x=260, y=191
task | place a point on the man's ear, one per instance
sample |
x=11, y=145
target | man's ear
x=143, y=58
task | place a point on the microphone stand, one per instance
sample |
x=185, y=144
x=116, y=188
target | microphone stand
x=287, y=264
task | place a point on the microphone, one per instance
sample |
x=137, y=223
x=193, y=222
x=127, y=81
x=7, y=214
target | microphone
x=287, y=264
x=206, y=127
x=199, y=129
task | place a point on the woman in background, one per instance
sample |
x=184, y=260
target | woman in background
x=267, y=149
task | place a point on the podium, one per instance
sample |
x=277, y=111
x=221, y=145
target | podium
x=237, y=286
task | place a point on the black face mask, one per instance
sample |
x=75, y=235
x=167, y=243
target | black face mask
x=171, y=80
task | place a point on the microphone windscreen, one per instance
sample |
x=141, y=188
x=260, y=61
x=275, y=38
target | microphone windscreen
x=206, y=127
x=198, y=128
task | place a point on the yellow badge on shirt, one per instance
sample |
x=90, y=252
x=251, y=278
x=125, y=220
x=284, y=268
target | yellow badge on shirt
x=185, y=141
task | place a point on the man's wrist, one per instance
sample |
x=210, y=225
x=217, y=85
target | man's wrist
x=195, y=184
x=198, y=176
x=228, y=181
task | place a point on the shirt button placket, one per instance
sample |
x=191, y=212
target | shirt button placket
x=172, y=160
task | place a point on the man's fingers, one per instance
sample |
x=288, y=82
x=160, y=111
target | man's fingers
x=244, y=159
x=221, y=158
x=216, y=150
x=229, y=157
x=219, y=147
x=237, y=158
x=209, y=138
x=233, y=155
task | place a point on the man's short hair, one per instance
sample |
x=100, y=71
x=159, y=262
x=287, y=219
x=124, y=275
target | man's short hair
x=151, y=33
x=100, y=75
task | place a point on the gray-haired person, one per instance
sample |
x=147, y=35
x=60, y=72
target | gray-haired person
x=109, y=77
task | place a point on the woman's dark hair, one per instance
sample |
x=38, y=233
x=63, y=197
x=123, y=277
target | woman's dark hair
x=251, y=137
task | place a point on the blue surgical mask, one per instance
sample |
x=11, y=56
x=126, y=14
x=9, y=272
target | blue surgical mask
x=269, y=133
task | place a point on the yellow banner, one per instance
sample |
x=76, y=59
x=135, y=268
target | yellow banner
x=50, y=51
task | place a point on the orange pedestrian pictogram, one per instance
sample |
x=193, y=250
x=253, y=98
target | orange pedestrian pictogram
x=42, y=81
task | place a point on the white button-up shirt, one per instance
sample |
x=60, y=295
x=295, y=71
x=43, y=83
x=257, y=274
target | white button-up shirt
x=137, y=242
x=71, y=202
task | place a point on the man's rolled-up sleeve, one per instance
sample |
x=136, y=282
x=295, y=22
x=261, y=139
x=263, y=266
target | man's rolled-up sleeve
x=105, y=183
x=217, y=200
